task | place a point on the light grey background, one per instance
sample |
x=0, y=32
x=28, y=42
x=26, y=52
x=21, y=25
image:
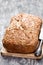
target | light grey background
x=9, y=8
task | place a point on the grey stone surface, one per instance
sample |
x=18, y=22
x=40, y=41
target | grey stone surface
x=9, y=8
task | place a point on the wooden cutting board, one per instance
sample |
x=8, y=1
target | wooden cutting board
x=32, y=56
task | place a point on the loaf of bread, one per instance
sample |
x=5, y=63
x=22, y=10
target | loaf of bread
x=22, y=34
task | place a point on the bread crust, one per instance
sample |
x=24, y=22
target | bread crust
x=22, y=34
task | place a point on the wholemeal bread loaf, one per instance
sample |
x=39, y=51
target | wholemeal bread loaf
x=22, y=34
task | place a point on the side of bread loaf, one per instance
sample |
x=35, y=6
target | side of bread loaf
x=22, y=34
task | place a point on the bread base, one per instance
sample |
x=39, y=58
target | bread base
x=31, y=56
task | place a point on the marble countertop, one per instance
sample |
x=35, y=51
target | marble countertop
x=9, y=8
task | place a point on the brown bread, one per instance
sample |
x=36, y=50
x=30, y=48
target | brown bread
x=22, y=34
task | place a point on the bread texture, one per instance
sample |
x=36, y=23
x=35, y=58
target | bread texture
x=22, y=35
